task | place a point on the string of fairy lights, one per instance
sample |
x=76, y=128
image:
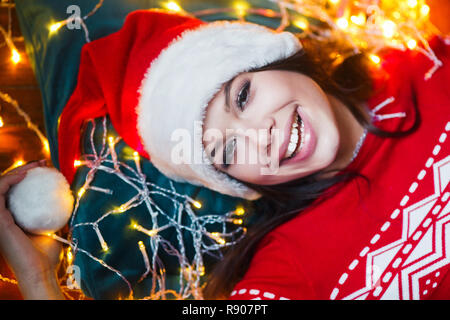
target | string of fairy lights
x=368, y=26
x=107, y=160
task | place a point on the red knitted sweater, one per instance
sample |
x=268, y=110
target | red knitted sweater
x=389, y=240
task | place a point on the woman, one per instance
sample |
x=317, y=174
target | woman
x=361, y=238
x=320, y=233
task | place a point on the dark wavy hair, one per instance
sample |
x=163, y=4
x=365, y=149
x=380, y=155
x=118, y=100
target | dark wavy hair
x=350, y=81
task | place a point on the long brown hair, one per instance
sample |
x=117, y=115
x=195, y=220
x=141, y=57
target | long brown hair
x=350, y=81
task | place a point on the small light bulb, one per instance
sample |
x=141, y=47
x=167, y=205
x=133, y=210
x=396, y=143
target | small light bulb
x=69, y=256
x=76, y=163
x=389, y=28
x=173, y=6
x=239, y=211
x=121, y=209
x=216, y=236
x=412, y=3
x=375, y=59
x=18, y=163
x=46, y=146
x=412, y=44
x=358, y=20
x=15, y=56
x=55, y=27
x=238, y=221
x=1, y=122
x=241, y=8
x=301, y=23
x=342, y=23
x=81, y=192
x=197, y=204
x=202, y=271
x=425, y=10
x=105, y=247
x=150, y=233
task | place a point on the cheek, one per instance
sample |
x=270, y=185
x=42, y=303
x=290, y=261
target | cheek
x=246, y=172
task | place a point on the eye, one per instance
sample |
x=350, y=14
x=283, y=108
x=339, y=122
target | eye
x=243, y=95
x=228, y=153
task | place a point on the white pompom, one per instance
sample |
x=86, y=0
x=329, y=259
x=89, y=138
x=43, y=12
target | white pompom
x=42, y=202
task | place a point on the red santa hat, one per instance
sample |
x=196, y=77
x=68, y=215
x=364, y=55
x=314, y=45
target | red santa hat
x=157, y=75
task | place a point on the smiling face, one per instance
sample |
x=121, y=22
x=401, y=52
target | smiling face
x=281, y=119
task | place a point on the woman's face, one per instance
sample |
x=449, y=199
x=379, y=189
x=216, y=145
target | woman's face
x=270, y=127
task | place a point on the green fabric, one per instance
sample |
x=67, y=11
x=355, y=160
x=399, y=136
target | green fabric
x=124, y=254
x=55, y=60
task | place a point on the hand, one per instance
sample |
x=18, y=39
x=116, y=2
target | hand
x=33, y=259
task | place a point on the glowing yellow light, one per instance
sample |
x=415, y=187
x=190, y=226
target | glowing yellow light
x=141, y=245
x=150, y=233
x=136, y=155
x=241, y=8
x=121, y=209
x=239, y=211
x=172, y=6
x=359, y=19
x=411, y=44
x=301, y=23
x=69, y=255
x=375, y=59
x=389, y=28
x=412, y=3
x=16, y=164
x=105, y=247
x=1, y=122
x=46, y=146
x=76, y=163
x=238, y=221
x=81, y=192
x=342, y=23
x=55, y=27
x=202, y=271
x=334, y=1
x=197, y=204
x=111, y=140
x=15, y=56
x=396, y=15
x=425, y=10
x=216, y=236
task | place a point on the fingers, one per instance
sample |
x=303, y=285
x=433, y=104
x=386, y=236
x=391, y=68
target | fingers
x=10, y=179
x=13, y=177
x=28, y=166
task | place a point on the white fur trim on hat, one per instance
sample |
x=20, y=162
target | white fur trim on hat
x=179, y=84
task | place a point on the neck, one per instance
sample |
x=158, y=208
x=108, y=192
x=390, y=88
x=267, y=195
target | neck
x=350, y=132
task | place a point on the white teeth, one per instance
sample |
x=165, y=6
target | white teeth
x=293, y=140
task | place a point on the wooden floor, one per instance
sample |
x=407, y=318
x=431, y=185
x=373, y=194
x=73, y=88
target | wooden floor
x=19, y=142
